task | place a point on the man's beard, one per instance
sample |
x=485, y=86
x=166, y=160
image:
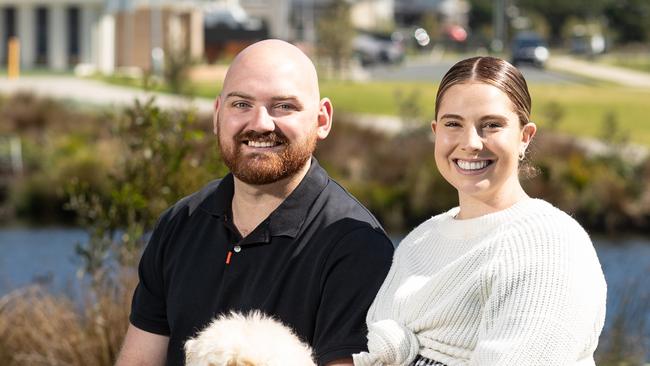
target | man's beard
x=268, y=166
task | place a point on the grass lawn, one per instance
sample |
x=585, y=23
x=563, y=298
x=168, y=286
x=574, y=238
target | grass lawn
x=586, y=108
x=583, y=108
x=639, y=62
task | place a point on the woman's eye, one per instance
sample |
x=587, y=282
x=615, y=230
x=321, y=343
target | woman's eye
x=492, y=125
x=452, y=124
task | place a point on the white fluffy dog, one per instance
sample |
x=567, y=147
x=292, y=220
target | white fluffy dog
x=251, y=340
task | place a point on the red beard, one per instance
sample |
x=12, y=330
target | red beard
x=267, y=166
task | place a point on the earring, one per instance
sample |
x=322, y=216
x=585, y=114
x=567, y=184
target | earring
x=522, y=152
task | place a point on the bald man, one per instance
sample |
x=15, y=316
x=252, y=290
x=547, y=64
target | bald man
x=275, y=235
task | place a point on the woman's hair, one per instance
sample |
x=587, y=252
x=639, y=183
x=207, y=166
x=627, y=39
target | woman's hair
x=493, y=71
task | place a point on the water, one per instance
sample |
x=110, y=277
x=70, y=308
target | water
x=47, y=257
x=40, y=256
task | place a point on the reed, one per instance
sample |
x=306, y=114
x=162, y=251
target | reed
x=39, y=328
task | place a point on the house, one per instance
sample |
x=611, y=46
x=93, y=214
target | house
x=56, y=34
x=100, y=34
x=448, y=12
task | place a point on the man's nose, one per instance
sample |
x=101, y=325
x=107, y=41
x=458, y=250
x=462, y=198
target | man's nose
x=472, y=141
x=262, y=120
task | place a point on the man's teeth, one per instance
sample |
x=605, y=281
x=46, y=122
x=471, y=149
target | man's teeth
x=261, y=143
x=472, y=165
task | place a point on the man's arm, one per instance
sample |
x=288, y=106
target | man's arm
x=351, y=277
x=142, y=348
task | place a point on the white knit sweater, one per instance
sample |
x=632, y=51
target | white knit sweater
x=521, y=286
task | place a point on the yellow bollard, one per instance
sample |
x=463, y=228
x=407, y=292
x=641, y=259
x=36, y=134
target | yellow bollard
x=13, y=58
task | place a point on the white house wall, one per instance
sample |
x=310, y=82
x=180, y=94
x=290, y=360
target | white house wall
x=26, y=31
x=105, y=44
x=89, y=17
x=274, y=12
x=372, y=14
x=57, y=37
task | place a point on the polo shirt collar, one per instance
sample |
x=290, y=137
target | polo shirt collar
x=290, y=215
x=287, y=219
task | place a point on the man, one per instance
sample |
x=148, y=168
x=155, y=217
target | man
x=276, y=235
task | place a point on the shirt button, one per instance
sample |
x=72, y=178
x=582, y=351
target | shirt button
x=237, y=249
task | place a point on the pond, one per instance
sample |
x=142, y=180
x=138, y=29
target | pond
x=47, y=257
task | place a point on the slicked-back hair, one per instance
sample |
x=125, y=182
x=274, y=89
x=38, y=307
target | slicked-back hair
x=493, y=71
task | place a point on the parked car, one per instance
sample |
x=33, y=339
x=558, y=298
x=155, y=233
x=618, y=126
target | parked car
x=529, y=48
x=374, y=48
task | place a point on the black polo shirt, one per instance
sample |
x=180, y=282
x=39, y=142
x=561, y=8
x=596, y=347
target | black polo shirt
x=316, y=263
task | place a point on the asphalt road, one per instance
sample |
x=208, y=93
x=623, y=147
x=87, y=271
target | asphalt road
x=428, y=70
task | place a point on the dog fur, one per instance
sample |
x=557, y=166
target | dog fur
x=247, y=340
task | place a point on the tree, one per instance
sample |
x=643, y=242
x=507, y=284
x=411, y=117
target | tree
x=480, y=16
x=557, y=12
x=630, y=20
x=335, y=33
x=161, y=156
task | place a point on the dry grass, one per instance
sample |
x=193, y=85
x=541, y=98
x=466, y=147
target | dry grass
x=37, y=328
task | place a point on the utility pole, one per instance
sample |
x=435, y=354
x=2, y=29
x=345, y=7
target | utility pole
x=498, y=21
x=156, y=39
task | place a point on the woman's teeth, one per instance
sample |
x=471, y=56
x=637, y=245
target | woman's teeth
x=472, y=165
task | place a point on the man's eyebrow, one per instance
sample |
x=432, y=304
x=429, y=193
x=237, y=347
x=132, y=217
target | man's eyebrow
x=452, y=116
x=285, y=97
x=239, y=95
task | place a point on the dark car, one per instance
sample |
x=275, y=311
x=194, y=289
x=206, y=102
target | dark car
x=374, y=48
x=529, y=48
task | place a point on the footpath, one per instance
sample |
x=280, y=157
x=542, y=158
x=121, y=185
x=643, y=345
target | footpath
x=594, y=70
x=94, y=92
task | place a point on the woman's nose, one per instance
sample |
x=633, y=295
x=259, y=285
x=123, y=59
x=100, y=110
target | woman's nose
x=472, y=140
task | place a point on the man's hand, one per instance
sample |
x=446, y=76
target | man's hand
x=142, y=348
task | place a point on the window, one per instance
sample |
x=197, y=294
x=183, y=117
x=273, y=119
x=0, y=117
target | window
x=72, y=18
x=41, y=35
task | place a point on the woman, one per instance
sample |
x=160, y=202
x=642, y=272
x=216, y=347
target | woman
x=503, y=279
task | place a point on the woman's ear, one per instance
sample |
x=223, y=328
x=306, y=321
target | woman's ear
x=528, y=132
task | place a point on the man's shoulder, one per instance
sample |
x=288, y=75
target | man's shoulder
x=191, y=202
x=341, y=202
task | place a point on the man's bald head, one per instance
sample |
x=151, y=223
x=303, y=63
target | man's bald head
x=269, y=115
x=271, y=59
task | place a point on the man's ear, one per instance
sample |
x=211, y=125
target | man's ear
x=325, y=114
x=215, y=116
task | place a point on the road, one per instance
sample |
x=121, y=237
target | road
x=432, y=70
x=421, y=69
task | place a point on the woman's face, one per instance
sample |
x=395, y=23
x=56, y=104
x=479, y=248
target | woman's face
x=478, y=139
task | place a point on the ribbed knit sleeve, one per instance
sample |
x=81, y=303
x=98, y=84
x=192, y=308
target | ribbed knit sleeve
x=546, y=292
x=521, y=286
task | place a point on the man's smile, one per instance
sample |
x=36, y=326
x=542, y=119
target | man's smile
x=262, y=144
